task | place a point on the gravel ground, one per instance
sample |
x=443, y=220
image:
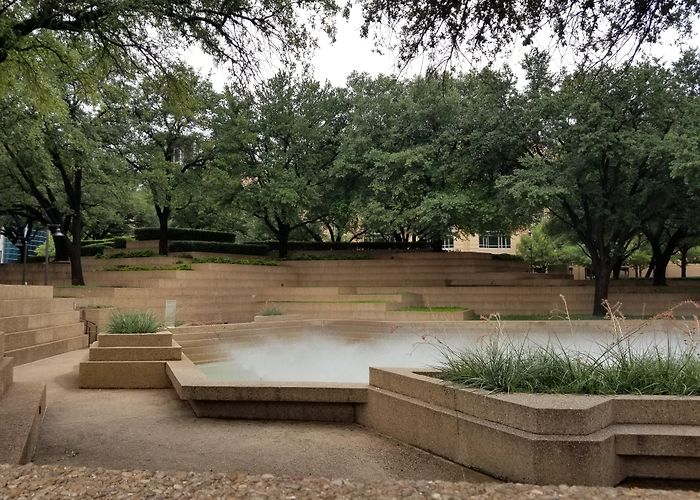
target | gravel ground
x=56, y=482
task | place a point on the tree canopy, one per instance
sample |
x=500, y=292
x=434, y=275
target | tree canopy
x=596, y=29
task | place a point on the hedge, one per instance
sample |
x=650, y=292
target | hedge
x=93, y=250
x=345, y=245
x=180, y=234
x=217, y=247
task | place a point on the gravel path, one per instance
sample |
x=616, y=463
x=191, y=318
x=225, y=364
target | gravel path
x=56, y=482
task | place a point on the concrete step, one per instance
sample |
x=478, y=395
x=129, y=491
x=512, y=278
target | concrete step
x=28, y=338
x=405, y=299
x=22, y=307
x=224, y=330
x=47, y=349
x=25, y=292
x=34, y=321
x=21, y=413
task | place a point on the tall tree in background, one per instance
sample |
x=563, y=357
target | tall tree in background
x=136, y=32
x=50, y=160
x=428, y=151
x=596, y=29
x=166, y=137
x=280, y=142
x=598, y=158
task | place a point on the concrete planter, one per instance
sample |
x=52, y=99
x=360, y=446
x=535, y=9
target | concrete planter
x=538, y=438
x=129, y=361
x=158, y=339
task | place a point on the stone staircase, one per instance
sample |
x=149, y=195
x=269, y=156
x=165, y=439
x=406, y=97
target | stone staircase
x=22, y=405
x=36, y=325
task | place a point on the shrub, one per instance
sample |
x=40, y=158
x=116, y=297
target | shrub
x=183, y=266
x=217, y=247
x=346, y=245
x=93, y=250
x=271, y=311
x=119, y=243
x=134, y=322
x=622, y=366
x=507, y=256
x=141, y=252
x=182, y=234
x=228, y=260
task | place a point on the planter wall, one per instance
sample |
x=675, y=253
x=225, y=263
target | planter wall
x=129, y=361
x=540, y=439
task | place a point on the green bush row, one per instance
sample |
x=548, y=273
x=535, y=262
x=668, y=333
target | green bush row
x=227, y=260
x=345, y=245
x=128, y=254
x=182, y=234
x=217, y=247
x=185, y=266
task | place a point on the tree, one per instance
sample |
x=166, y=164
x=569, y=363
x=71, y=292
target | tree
x=596, y=159
x=279, y=142
x=165, y=136
x=446, y=28
x=427, y=150
x=237, y=32
x=49, y=161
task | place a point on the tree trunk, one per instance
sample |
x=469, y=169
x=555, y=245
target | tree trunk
x=660, y=270
x=602, y=286
x=76, y=263
x=283, y=239
x=684, y=262
x=617, y=268
x=163, y=217
x=436, y=244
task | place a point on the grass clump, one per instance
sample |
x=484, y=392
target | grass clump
x=134, y=322
x=182, y=266
x=130, y=254
x=503, y=366
x=271, y=311
x=241, y=261
x=625, y=365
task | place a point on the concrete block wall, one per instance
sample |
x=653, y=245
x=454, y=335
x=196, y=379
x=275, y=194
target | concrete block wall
x=36, y=325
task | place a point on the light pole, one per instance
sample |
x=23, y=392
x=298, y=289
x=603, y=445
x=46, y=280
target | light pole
x=532, y=266
x=56, y=233
x=24, y=255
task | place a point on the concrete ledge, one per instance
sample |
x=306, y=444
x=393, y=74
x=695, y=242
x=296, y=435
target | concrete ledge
x=541, y=439
x=258, y=410
x=269, y=400
x=21, y=413
x=98, y=353
x=123, y=375
x=159, y=339
x=48, y=349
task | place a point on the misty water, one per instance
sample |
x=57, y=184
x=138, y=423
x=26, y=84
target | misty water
x=333, y=357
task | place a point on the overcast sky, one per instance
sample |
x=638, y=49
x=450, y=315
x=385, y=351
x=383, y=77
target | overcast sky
x=335, y=61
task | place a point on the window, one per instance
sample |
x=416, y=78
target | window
x=448, y=243
x=177, y=156
x=494, y=240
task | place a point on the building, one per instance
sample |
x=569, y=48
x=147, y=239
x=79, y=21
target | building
x=10, y=253
x=488, y=242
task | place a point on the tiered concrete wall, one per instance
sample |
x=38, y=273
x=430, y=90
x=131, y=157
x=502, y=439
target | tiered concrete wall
x=22, y=408
x=370, y=289
x=36, y=325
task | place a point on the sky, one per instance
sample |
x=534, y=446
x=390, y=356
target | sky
x=336, y=61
